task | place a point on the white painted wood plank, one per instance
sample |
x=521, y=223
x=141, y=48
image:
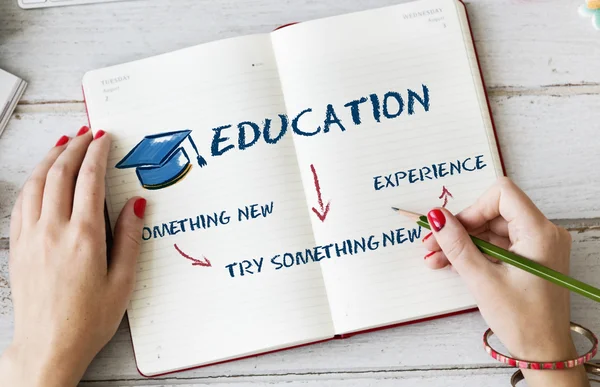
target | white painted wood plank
x=444, y=343
x=547, y=143
x=446, y=378
x=519, y=42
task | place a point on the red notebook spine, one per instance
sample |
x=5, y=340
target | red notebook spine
x=347, y=335
x=226, y=361
x=285, y=25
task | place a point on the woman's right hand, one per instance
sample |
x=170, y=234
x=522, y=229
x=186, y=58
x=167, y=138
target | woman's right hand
x=530, y=316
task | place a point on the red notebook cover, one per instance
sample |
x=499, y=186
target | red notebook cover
x=344, y=336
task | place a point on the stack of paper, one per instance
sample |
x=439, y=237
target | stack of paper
x=11, y=90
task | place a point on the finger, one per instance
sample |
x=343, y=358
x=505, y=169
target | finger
x=32, y=193
x=126, y=248
x=88, y=201
x=504, y=199
x=495, y=239
x=60, y=183
x=430, y=243
x=458, y=247
x=497, y=225
x=436, y=260
x=15, y=220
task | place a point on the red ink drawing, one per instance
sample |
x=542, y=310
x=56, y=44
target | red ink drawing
x=195, y=262
x=323, y=210
x=445, y=195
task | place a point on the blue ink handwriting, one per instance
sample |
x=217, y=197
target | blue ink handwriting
x=329, y=251
x=428, y=172
x=254, y=211
x=205, y=221
x=161, y=160
x=249, y=133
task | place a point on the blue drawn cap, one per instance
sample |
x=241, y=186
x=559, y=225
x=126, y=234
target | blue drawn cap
x=160, y=160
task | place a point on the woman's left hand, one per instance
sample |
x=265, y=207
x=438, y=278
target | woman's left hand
x=68, y=297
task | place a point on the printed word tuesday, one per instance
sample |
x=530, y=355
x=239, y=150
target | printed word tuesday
x=389, y=106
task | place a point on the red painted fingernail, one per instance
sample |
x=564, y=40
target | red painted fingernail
x=139, y=207
x=429, y=255
x=426, y=237
x=437, y=220
x=99, y=134
x=62, y=141
x=83, y=130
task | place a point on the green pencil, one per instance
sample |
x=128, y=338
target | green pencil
x=518, y=261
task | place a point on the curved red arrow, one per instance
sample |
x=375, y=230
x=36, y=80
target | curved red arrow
x=195, y=262
x=324, y=210
x=445, y=194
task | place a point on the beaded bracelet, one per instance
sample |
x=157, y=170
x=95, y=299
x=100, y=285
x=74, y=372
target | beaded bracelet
x=545, y=365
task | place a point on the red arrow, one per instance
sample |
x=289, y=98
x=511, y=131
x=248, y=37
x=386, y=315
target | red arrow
x=195, y=262
x=445, y=194
x=324, y=210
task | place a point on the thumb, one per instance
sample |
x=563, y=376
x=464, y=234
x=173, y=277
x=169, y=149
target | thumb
x=458, y=247
x=126, y=246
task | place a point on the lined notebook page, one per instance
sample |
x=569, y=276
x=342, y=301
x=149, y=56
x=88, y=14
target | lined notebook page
x=184, y=315
x=338, y=60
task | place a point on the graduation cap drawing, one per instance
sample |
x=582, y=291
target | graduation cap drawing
x=160, y=160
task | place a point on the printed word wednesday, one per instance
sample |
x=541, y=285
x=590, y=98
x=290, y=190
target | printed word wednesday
x=389, y=106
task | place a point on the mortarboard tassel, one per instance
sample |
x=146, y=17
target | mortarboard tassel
x=201, y=160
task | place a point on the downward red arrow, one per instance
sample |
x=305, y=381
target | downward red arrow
x=324, y=210
x=445, y=194
x=195, y=262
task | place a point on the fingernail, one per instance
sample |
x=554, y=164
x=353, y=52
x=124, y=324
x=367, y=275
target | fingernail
x=62, y=141
x=83, y=130
x=139, y=208
x=437, y=220
x=99, y=134
x=426, y=237
x=429, y=255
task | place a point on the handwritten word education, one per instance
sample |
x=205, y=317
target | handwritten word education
x=429, y=172
x=161, y=160
x=388, y=107
x=318, y=253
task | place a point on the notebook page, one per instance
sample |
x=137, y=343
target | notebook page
x=417, y=126
x=235, y=213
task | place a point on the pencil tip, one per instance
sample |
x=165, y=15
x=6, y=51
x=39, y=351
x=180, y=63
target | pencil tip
x=408, y=214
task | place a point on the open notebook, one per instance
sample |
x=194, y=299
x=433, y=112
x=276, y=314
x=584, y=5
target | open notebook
x=270, y=163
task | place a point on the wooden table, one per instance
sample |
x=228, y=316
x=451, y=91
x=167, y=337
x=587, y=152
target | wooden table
x=540, y=60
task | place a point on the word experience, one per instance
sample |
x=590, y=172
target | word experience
x=429, y=172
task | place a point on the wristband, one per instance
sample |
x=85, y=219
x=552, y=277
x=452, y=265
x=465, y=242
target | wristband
x=545, y=365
